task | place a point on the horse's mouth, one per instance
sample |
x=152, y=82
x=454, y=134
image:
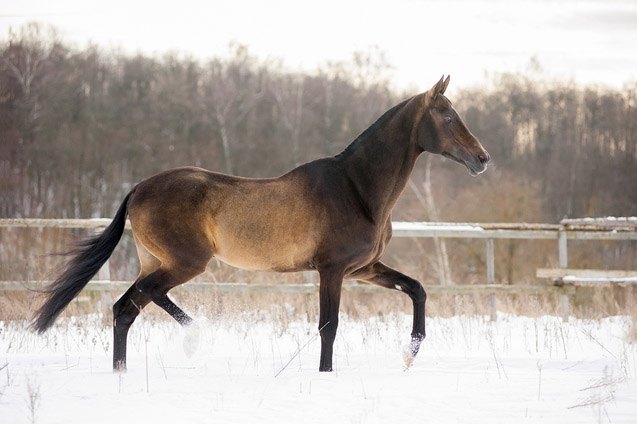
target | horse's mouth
x=453, y=158
x=474, y=168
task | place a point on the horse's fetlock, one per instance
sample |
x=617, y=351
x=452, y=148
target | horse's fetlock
x=418, y=336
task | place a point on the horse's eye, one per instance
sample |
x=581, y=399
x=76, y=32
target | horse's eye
x=447, y=118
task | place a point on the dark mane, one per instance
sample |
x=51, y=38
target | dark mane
x=372, y=128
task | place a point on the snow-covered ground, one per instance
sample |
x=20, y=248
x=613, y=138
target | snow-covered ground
x=517, y=370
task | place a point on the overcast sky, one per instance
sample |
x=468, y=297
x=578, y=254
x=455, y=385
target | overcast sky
x=588, y=41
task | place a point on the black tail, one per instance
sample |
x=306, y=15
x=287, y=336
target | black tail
x=90, y=255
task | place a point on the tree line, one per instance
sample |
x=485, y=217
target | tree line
x=80, y=127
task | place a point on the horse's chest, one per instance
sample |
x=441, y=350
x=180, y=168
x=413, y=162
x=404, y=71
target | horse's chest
x=380, y=243
x=358, y=248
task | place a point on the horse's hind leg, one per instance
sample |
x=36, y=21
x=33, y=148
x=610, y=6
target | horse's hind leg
x=153, y=284
x=152, y=287
x=125, y=311
x=128, y=307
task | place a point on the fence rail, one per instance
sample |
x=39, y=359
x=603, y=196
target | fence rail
x=591, y=229
x=571, y=229
x=625, y=229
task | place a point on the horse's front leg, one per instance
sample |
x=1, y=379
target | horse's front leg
x=384, y=276
x=331, y=281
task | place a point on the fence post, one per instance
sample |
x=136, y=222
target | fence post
x=491, y=278
x=562, y=249
x=490, y=262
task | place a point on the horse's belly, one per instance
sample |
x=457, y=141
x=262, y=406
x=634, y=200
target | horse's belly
x=275, y=256
x=267, y=229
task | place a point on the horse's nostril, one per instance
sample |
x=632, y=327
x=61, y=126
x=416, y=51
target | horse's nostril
x=483, y=158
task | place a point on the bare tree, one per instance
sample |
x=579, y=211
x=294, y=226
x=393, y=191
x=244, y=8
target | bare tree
x=233, y=91
x=288, y=93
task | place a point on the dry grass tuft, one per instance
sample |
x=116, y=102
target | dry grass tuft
x=282, y=306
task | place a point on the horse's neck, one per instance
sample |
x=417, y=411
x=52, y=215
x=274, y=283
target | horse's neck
x=380, y=162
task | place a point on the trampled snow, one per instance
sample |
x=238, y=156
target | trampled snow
x=469, y=370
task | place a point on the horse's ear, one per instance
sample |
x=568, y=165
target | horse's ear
x=438, y=88
x=445, y=84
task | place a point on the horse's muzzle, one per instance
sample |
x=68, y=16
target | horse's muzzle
x=478, y=163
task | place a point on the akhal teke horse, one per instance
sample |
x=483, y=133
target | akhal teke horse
x=332, y=215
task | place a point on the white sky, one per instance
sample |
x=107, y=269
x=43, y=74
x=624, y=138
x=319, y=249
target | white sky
x=588, y=41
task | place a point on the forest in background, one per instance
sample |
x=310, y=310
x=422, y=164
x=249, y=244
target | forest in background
x=80, y=127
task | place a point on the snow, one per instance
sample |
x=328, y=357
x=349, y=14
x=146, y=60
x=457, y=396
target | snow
x=518, y=369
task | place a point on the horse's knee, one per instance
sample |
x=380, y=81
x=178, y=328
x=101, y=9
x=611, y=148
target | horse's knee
x=416, y=292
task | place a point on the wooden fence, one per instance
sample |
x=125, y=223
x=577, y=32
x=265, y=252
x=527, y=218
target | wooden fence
x=562, y=282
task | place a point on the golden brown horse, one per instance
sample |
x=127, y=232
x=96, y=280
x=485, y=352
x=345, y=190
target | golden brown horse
x=332, y=215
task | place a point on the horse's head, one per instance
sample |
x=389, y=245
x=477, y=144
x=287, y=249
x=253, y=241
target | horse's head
x=442, y=131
